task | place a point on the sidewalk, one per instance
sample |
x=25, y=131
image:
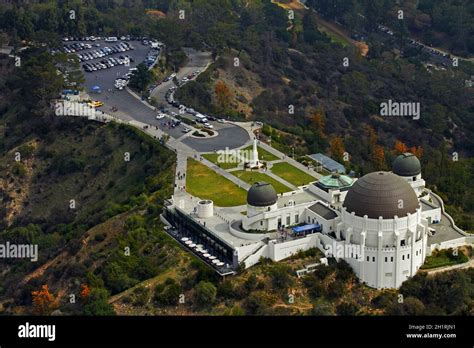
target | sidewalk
x=226, y=175
x=290, y=160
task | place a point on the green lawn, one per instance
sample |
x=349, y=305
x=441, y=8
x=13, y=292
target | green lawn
x=444, y=258
x=214, y=158
x=253, y=177
x=292, y=174
x=203, y=182
x=263, y=155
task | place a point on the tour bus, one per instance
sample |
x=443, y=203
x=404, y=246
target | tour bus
x=201, y=118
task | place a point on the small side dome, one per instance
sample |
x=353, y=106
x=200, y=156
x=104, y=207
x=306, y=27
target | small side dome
x=261, y=194
x=406, y=164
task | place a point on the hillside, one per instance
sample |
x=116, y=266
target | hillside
x=77, y=190
x=66, y=185
x=274, y=289
x=302, y=90
x=84, y=162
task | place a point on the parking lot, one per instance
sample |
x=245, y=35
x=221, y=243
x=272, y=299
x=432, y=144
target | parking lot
x=128, y=107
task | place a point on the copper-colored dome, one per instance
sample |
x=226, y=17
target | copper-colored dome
x=381, y=194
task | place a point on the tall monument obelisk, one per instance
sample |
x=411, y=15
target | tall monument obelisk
x=254, y=162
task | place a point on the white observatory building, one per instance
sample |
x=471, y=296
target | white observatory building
x=381, y=217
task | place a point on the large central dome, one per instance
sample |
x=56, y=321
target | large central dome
x=381, y=194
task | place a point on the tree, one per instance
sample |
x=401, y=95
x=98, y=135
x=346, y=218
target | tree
x=85, y=291
x=205, y=294
x=280, y=275
x=314, y=286
x=251, y=283
x=378, y=157
x=371, y=134
x=168, y=294
x=142, y=78
x=256, y=304
x=400, y=147
x=37, y=73
x=337, y=148
x=97, y=303
x=225, y=289
x=411, y=306
x=347, y=308
x=223, y=95
x=43, y=300
x=417, y=151
x=319, y=122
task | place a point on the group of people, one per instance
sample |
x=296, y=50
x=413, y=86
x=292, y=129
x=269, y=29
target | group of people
x=180, y=176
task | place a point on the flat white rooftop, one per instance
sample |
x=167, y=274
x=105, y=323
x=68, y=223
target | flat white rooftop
x=219, y=223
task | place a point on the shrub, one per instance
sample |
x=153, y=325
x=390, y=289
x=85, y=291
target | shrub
x=225, y=290
x=97, y=303
x=256, y=304
x=280, y=275
x=205, y=294
x=168, y=294
x=347, y=308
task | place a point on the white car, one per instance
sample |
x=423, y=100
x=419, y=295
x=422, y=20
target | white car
x=208, y=125
x=186, y=130
x=160, y=116
x=221, y=120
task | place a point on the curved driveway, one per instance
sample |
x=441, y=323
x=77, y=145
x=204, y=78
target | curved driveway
x=230, y=136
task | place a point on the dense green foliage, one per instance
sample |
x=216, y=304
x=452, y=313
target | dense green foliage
x=446, y=293
x=142, y=78
x=445, y=258
x=439, y=22
x=294, y=64
x=75, y=159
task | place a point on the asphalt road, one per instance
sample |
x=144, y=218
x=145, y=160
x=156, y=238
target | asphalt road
x=230, y=136
x=131, y=108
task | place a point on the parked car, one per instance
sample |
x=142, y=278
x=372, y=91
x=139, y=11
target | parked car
x=96, y=104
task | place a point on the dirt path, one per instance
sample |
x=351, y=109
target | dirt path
x=323, y=25
x=40, y=270
x=335, y=29
x=149, y=283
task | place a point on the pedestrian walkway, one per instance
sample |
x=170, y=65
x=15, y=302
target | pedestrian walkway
x=226, y=174
x=289, y=160
x=283, y=181
x=181, y=167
